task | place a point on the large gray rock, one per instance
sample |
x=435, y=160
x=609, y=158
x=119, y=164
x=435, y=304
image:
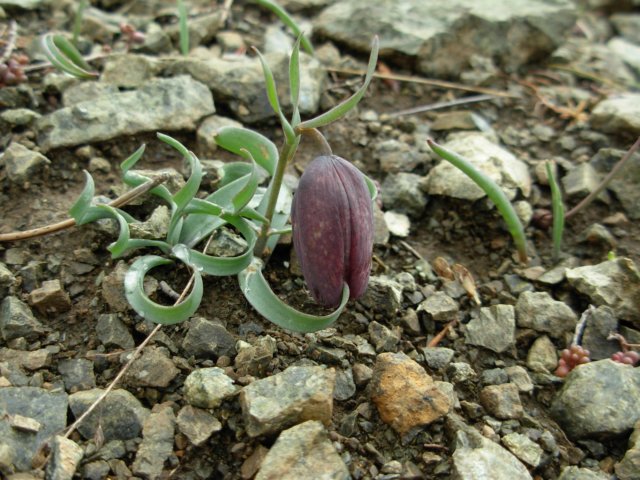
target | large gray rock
x=48, y=409
x=540, y=312
x=618, y=113
x=445, y=36
x=401, y=192
x=614, y=283
x=240, y=82
x=120, y=415
x=476, y=457
x=494, y=328
x=153, y=368
x=295, y=395
x=496, y=162
x=598, y=400
x=165, y=104
x=303, y=451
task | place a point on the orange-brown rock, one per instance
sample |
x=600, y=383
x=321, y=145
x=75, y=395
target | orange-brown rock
x=405, y=395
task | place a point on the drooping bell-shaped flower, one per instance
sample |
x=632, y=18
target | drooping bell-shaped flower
x=332, y=220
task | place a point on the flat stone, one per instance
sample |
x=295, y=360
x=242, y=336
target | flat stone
x=253, y=359
x=7, y=280
x=520, y=378
x=77, y=374
x=542, y=356
x=579, y=405
x=112, y=332
x=628, y=51
x=628, y=25
x=155, y=227
x=157, y=442
x=577, y=473
x=301, y=451
x=618, y=113
x=524, y=448
x=120, y=415
x=196, y=424
x=22, y=164
x=27, y=359
x=581, y=181
x=600, y=323
x=16, y=320
x=50, y=298
x=496, y=162
x=208, y=387
x=629, y=466
x=274, y=403
x=345, y=386
x=444, y=38
x=494, y=328
x=477, y=457
x=614, y=283
x=402, y=193
x=383, y=295
x=383, y=338
x=502, y=401
x=398, y=224
x=460, y=372
x=439, y=307
x=129, y=70
x=437, y=358
x=540, y=312
x=65, y=458
x=49, y=409
x=153, y=368
x=208, y=339
x=405, y=395
x=164, y=104
x=240, y=82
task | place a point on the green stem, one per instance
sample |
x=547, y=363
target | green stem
x=286, y=155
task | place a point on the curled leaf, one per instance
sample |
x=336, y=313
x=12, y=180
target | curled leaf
x=259, y=294
x=65, y=57
x=147, y=308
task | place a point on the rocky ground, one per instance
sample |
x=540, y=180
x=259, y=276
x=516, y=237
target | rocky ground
x=382, y=394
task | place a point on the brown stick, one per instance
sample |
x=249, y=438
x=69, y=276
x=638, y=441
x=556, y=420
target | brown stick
x=592, y=196
x=438, y=338
x=426, y=81
x=70, y=222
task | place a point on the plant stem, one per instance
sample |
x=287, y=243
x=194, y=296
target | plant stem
x=286, y=155
x=592, y=196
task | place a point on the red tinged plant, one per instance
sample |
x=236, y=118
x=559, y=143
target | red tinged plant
x=332, y=219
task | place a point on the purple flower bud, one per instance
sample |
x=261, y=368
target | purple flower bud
x=332, y=220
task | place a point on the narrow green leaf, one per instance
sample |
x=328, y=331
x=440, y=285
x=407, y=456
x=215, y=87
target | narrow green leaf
x=272, y=95
x=80, y=206
x=557, y=207
x=493, y=191
x=184, y=28
x=183, y=196
x=285, y=18
x=77, y=21
x=263, y=150
x=343, y=108
x=259, y=294
x=243, y=197
x=64, y=56
x=199, y=206
x=294, y=82
x=150, y=310
x=371, y=186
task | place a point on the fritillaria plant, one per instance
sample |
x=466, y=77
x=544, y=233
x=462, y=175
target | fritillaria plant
x=332, y=214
